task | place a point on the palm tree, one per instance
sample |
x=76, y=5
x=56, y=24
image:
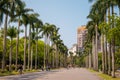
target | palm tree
x=53, y=34
x=88, y=46
x=55, y=41
x=102, y=17
x=54, y=37
x=65, y=54
x=6, y=7
x=11, y=32
x=46, y=30
x=33, y=34
x=62, y=49
x=90, y=37
x=32, y=20
x=25, y=22
x=20, y=11
x=95, y=55
x=58, y=43
x=28, y=19
x=38, y=25
x=110, y=5
x=113, y=43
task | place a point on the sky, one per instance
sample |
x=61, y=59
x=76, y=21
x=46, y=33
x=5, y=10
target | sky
x=68, y=15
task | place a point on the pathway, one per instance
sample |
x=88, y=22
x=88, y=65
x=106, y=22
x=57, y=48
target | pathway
x=61, y=74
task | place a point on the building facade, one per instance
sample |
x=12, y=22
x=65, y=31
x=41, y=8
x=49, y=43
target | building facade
x=81, y=37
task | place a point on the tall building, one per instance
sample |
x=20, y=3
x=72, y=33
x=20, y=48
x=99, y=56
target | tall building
x=81, y=37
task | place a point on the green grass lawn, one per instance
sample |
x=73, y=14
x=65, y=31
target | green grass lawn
x=104, y=76
x=6, y=73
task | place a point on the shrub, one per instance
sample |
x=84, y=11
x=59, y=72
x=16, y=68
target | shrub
x=13, y=67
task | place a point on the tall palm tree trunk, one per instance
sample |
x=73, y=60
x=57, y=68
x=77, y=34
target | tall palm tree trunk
x=4, y=42
x=36, y=58
x=103, y=54
x=105, y=43
x=10, y=55
x=17, y=45
x=109, y=53
x=25, y=47
x=56, y=57
x=65, y=58
x=59, y=59
x=87, y=61
x=64, y=62
x=36, y=55
x=90, y=61
x=105, y=48
x=45, y=52
x=113, y=59
x=53, y=60
x=113, y=48
x=51, y=56
x=31, y=67
x=48, y=49
x=93, y=53
x=96, y=48
x=109, y=60
x=29, y=47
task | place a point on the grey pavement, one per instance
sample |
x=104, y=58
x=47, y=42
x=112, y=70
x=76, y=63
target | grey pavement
x=61, y=74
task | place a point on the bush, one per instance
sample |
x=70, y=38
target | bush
x=7, y=67
x=13, y=67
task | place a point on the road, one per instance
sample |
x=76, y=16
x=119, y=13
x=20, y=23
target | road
x=61, y=74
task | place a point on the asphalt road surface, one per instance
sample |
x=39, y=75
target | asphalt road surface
x=61, y=74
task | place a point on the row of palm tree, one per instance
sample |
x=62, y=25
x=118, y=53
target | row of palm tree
x=100, y=26
x=51, y=35
x=12, y=11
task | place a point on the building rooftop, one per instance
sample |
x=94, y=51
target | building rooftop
x=81, y=28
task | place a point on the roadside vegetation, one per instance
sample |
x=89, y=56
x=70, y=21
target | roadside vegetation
x=103, y=76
